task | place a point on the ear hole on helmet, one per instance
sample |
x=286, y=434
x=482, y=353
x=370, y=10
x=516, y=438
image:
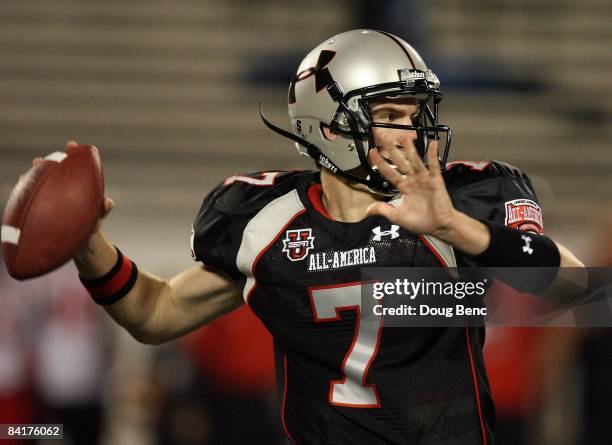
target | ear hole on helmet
x=327, y=132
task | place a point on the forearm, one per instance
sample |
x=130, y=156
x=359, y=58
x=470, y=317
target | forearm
x=473, y=238
x=176, y=306
x=465, y=234
x=135, y=311
x=97, y=258
x=156, y=310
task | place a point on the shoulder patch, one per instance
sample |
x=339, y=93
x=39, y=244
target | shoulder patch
x=525, y=215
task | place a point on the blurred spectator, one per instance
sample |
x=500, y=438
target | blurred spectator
x=516, y=389
x=72, y=356
x=220, y=385
x=54, y=354
x=17, y=322
x=526, y=367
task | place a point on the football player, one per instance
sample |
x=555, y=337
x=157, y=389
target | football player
x=291, y=244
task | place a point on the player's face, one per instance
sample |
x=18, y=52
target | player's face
x=393, y=111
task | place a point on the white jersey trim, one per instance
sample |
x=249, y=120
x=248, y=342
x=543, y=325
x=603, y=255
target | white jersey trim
x=262, y=230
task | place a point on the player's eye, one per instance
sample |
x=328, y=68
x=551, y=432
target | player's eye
x=386, y=116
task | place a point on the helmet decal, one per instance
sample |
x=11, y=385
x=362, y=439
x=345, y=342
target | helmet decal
x=322, y=76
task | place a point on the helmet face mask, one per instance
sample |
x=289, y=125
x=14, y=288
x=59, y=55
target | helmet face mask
x=335, y=86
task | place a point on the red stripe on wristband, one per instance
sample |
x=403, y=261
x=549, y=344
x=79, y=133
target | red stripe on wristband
x=115, y=284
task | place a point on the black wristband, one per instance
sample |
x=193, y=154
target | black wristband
x=114, y=285
x=514, y=248
x=510, y=248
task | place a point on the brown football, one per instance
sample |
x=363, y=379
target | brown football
x=52, y=211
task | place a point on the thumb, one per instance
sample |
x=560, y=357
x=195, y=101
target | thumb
x=382, y=209
x=107, y=205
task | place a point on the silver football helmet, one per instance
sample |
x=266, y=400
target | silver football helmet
x=333, y=87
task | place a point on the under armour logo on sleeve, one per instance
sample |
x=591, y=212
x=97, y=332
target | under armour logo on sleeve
x=527, y=247
x=378, y=233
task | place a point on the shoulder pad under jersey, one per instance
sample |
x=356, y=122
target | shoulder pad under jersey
x=494, y=191
x=459, y=174
x=225, y=212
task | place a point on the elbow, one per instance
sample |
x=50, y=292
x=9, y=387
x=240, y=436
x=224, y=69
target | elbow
x=147, y=339
x=568, y=259
x=145, y=336
x=142, y=338
x=149, y=329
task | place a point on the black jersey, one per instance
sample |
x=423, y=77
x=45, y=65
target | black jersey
x=343, y=381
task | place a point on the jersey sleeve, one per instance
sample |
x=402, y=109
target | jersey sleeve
x=224, y=214
x=496, y=192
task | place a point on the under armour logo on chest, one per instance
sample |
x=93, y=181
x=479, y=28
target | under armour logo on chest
x=378, y=233
x=527, y=247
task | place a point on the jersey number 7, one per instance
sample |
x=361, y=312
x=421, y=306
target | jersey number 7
x=352, y=390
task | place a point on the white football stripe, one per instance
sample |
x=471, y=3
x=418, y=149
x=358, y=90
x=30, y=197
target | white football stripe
x=10, y=234
x=57, y=156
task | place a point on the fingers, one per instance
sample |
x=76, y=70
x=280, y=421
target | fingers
x=415, y=160
x=406, y=163
x=69, y=144
x=384, y=168
x=107, y=205
x=400, y=161
x=432, y=159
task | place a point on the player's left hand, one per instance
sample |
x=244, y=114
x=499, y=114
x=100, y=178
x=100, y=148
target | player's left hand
x=426, y=208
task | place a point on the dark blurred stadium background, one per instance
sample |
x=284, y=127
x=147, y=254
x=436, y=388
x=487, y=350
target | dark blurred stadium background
x=168, y=90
